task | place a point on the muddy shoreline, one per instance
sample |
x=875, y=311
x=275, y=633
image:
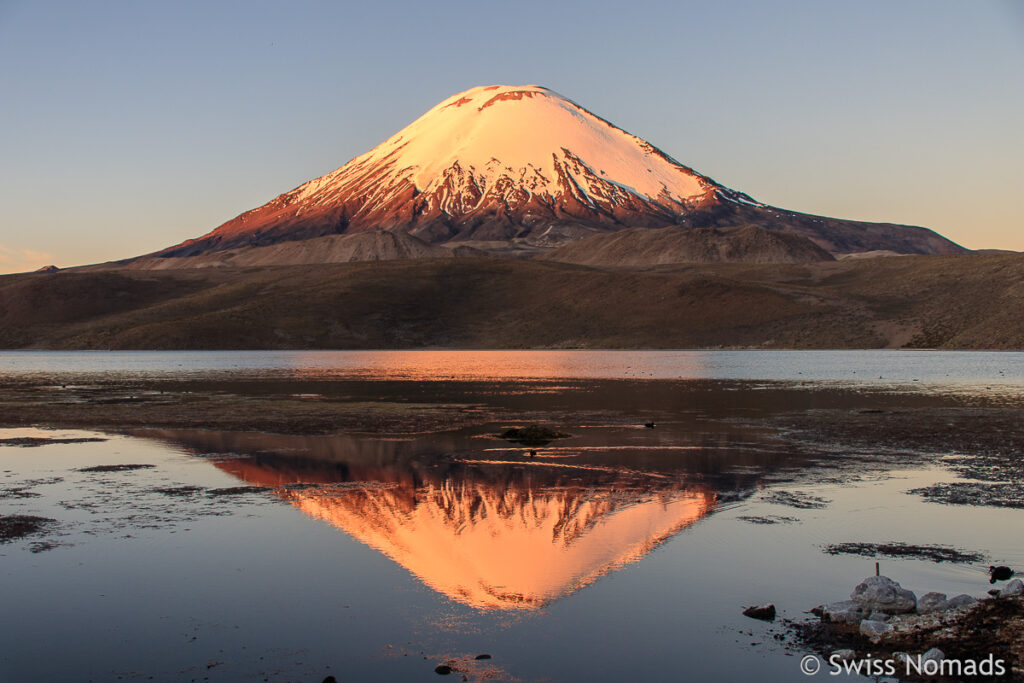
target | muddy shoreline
x=79, y=403
x=848, y=415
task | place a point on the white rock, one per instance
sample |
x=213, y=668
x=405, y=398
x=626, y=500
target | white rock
x=1015, y=587
x=844, y=655
x=875, y=630
x=845, y=612
x=931, y=602
x=933, y=655
x=901, y=658
x=878, y=616
x=882, y=594
x=958, y=601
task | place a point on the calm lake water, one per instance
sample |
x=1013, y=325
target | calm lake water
x=874, y=367
x=620, y=553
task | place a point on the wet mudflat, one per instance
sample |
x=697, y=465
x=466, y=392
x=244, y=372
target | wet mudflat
x=378, y=528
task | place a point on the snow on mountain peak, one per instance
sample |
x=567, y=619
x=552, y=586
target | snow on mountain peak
x=530, y=135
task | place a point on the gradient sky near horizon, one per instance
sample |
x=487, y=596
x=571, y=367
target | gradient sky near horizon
x=129, y=126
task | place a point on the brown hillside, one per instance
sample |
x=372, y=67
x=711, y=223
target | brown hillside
x=931, y=301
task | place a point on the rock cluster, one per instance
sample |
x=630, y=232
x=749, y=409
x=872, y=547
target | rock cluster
x=880, y=607
x=875, y=619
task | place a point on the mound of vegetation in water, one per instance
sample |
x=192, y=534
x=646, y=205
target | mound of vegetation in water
x=116, y=468
x=1005, y=494
x=13, y=527
x=238, y=490
x=935, y=553
x=534, y=435
x=797, y=499
x=34, y=441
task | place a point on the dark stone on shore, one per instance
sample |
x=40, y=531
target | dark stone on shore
x=763, y=612
x=484, y=656
x=443, y=669
x=932, y=602
x=330, y=679
x=960, y=601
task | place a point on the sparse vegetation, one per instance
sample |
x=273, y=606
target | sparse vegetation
x=34, y=441
x=534, y=435
x=116, y=468
x=13, y=527
x=935, y=553
x=238, y=490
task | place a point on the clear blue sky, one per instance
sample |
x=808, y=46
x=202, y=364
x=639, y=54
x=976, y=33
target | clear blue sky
x=130, y=126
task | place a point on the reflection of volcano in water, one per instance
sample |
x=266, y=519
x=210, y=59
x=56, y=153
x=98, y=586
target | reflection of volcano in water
x=489, y=536
x=503, y=546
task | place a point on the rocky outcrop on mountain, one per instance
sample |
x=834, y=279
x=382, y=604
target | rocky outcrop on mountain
x=640, y=247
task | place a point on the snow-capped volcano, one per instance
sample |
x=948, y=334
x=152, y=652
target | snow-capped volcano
x=523, y=167
x=505, y=149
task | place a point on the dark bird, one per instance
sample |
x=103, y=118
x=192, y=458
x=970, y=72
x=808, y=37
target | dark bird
x=649, y=425
x=999, y=573
x=533, y=453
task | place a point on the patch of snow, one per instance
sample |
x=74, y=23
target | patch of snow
x=522, y=128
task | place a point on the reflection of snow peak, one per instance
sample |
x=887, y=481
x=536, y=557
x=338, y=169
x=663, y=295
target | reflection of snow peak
x=490, y=535
x=507, y=547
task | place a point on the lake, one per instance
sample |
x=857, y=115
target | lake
x=179, y=551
